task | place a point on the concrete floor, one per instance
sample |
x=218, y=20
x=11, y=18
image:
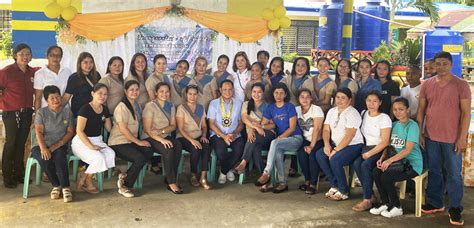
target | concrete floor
x=226, y=205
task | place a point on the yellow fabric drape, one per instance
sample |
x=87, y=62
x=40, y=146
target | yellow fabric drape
x=239, y=28
x=107, y=26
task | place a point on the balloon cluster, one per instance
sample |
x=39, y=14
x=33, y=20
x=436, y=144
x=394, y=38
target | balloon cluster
x=61, y=8
x=276, y=18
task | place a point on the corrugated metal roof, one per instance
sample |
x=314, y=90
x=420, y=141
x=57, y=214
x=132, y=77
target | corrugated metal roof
x=459, y=20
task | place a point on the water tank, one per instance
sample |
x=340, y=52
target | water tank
x=445, y=39
x=368, y=32
x=330, y=26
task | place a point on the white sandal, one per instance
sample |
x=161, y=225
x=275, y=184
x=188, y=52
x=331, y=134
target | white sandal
x=338, y=196
x=55, y=193
x=331, y=192
x=67, y=195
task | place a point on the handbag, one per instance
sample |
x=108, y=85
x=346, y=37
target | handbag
x=400, y=165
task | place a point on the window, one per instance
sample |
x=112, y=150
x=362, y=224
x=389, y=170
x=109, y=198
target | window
x=300, y=37
x=5, y=20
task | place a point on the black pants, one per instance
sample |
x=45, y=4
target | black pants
x=254, y=149
x=17, y=129
x=197, y=154
x=137, y=155
x=385, y=182
x=56, y=168
x=228, y=159
x=170, y=156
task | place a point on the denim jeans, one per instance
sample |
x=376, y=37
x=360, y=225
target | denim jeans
x=276, y=154
x=334, y=168
x=364, y=168
x=443, y=155
x=56, y=167
x=309, y=165
x=137, y=155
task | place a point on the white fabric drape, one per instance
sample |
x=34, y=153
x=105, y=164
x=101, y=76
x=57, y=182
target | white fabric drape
x=124, y=46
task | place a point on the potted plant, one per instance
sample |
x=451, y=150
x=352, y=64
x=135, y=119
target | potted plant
x=406, y=53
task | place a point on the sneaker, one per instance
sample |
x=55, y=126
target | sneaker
x=378, y=210
x=455, y=217
x=430, y=209
x=331, y=192
x=121, y=180
x=124, y=191
x=394, y=212
x=222, y=178
x=230, y=176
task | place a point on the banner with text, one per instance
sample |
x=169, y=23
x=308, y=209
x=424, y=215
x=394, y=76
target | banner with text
x=175, y=44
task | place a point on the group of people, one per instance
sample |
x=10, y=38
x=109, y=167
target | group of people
x=247, y=114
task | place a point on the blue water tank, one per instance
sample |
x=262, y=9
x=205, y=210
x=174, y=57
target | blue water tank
x=368, y=32
x=445, y=39
x=330, y=26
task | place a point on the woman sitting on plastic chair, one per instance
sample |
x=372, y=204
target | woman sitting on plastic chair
x=375, y=128
x=282, y=115
x=88, y=144
x=124, y=140
x=191, y=119
x=310, y=121
x=258, y=139
x=405, y=164
x=158, y=123
x=54, y=128
x=343, y=143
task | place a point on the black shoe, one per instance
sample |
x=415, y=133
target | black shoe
x=303, y=187
x=179, y=191
x=310, y=190
x=455, y=217
x=430, y=209
x=278, y=189
x=293, y=173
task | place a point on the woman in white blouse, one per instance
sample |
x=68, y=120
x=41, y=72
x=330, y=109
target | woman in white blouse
x=375, y=128
x=310, y=121
x=343, y=143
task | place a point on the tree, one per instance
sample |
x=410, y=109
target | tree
x=426, y=6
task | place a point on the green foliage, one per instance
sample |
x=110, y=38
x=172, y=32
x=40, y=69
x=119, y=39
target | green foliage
x=407, y=53
x=290, y=57
x=382, y=52
x=425, y=6
x=5, y=44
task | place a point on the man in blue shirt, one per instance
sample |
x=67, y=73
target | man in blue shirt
x=226, y=125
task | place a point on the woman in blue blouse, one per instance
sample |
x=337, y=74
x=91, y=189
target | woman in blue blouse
x=282, y=116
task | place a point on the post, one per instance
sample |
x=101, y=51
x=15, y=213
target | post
x=347, y=29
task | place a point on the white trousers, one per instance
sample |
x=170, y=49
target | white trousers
x=99, y=161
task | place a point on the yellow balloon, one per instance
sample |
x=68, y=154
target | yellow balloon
x=280, y=11
x=64, y=3
x=267, y=14
x=274, y=24
x=69, y=13
x=285, y=22
x=52, y=10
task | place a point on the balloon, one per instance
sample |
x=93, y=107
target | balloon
x=280, y=11
x=267, y=14
x=274, y=24
x=69, y=13
x=64, y=3
x=285, y=22
x=52, y=10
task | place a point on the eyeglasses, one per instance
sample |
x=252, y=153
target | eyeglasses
x=192, y=86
